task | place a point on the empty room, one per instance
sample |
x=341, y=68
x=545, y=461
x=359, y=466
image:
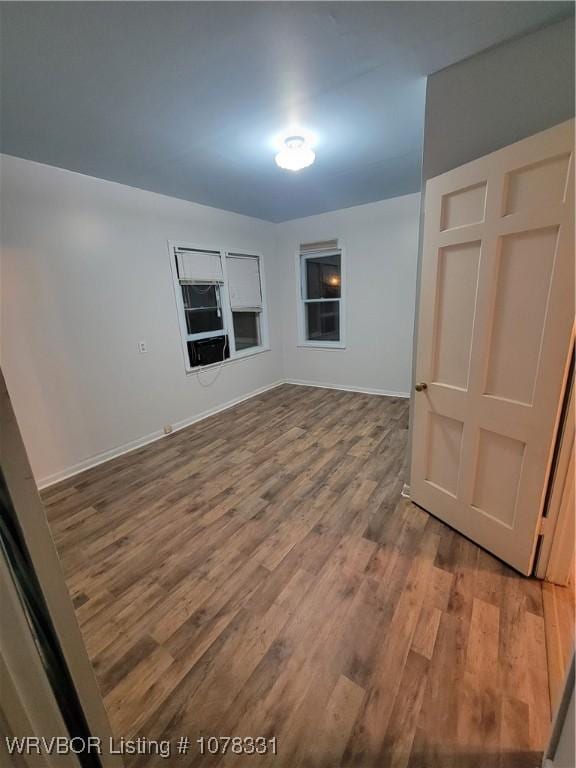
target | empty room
x=286, y=393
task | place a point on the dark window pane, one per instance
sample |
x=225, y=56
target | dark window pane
x=323, y=321
x=202, y=320
x=246, y=329
x=199, y=296
x=323, y=277
x=208, y=351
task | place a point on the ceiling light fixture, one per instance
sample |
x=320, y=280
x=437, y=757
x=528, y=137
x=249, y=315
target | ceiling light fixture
x=295, y=154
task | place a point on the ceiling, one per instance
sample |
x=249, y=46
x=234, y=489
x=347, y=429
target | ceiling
x=188, y=98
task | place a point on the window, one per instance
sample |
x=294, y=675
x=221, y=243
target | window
x=245, y=299
x=321, y=296
x=220, y=304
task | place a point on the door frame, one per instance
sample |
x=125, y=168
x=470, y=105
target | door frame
x=560, y=751
x=36, y=534
x=555, y=561
x=27, y=705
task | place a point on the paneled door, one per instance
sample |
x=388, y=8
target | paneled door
x=496, y=315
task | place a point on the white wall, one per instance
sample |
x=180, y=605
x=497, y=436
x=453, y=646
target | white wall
x=499, y=96
x=381, y=243
x=85, y=276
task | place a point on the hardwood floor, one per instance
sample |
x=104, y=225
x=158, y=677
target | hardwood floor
x=559, y=625
x=258, y=574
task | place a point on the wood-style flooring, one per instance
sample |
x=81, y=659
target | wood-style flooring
x=559, y=609
x=259, y=574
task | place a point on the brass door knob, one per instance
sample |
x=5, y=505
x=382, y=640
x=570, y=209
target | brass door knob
x=421, y=386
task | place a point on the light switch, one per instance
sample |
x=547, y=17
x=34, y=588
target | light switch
x=142, y=348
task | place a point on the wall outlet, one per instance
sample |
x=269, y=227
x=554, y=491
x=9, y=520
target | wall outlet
x=142, y=347
x=168, y=429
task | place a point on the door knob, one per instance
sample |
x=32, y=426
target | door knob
x=421, y=386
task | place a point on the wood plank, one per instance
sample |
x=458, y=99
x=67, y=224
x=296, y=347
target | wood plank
x=258, y=573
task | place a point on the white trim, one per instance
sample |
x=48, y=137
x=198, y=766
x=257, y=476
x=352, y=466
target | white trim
x=334, y=346
x=140, y=442
x=360, y=390
x=113, y=453
x=133, y=445
x=555, y=558
x=238, y=356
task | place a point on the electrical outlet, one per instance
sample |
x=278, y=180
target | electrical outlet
x=168, y=429
x=142, y=347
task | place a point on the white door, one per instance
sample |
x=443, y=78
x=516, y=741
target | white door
x=495, y=320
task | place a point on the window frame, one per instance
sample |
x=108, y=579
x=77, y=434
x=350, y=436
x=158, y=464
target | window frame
x=301, y=259
x=225, y=303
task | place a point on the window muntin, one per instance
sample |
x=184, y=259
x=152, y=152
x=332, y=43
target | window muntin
x=321, y=294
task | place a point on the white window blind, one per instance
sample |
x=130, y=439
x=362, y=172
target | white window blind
x=244, y=282
x=199, y=266
x=318, y=246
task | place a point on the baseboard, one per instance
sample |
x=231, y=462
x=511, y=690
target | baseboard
x=113, y=453
x=178, y=425
x=361, y=390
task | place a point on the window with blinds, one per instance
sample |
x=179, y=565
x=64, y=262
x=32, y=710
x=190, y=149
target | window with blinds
x=200, y=277
x=245, y=299
x=195, y=266
x=321, y=294
x=220, y=301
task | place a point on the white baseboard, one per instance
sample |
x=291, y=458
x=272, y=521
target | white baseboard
x=361, y=390
x=113, y=453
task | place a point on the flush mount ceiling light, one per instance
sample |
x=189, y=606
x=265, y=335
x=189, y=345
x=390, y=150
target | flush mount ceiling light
x=295, y=154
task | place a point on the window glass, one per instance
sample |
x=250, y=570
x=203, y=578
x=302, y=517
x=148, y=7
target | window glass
x=246, y=329
x=200, y=296
x=323, y=277
x=323, y=320
x=201, y=308
x=203, y=320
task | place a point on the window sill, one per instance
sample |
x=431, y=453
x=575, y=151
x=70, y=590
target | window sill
x=238, y=357
x=336, y=345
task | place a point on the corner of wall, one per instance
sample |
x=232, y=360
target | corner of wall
x=283, y=307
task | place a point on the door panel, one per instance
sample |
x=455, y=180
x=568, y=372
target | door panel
x=463, y=207
x=457, y=281
x=496, y=315
x=526, y=262
x=536, y=185
x=445, y=445
x=498, y=456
